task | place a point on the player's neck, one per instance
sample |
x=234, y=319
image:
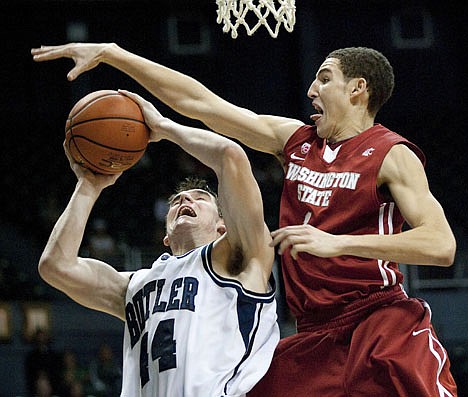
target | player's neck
x=187, y=245
x=350, y=130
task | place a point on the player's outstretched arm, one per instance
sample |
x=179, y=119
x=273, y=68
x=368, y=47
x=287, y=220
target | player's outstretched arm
x=90, y=282
x=181, y=92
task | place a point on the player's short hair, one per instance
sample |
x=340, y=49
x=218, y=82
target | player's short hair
x=371, y=65
x=194, y=182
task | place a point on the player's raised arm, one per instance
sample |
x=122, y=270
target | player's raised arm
x=90, y=282
x=181, y=92
x=247, y=243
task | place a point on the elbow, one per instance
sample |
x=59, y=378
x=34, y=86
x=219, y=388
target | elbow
x=446, y=252
x=47, y=268
x=232, y=153
x=44, y=267
x=234, y=160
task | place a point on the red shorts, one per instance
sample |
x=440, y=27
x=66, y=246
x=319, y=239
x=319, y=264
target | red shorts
x=393, y=351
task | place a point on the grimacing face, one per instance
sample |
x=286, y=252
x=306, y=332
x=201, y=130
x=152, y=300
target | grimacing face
x=190, y=208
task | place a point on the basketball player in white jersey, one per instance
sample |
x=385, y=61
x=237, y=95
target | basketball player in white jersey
x=202, y=320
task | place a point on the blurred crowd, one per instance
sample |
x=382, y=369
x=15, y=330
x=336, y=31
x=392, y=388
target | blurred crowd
x=51, y=373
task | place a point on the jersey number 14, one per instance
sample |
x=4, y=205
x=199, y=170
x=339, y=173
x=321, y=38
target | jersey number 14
x=163, y=347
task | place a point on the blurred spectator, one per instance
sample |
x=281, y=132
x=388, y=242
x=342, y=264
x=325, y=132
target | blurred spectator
x=74, y=377
x=49, y=211
x=101, y=244
x=42, y=366
x=105, y=373
x=8, y=280
x=459, y=361
x=160, y=210
x=42, y=385
x=76, y=390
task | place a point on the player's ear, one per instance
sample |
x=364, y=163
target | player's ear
x=221, y=228
x=358, y=86
x=166, y=240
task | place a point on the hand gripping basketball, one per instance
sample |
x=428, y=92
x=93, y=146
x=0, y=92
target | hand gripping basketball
x=106, y=132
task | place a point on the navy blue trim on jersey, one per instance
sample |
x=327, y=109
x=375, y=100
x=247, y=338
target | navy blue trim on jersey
x=250, y=305
x=256, y=297
x=185, y=254
x=249, y=347
x=246, y=318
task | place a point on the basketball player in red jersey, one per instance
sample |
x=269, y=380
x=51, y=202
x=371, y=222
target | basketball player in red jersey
x=350, y=184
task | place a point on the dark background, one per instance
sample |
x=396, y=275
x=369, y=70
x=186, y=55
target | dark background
x=264, y=74
x=425, y=41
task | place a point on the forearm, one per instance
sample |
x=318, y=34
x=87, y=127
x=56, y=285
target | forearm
x=416, y=246
x=190, y=98
x=89, y=282
x=64, y=242
x=181, y=92
x=206, y=146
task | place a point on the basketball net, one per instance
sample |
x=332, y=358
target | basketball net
x=254, y=13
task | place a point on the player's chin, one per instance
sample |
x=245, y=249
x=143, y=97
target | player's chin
x=319, y=127
x=185, y=220
x=321, y=133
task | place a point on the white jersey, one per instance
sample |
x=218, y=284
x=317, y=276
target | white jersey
x=192, y=333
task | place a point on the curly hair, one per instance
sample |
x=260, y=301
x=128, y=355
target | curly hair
x=372, y=66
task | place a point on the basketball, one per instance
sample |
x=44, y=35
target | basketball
x=106, y=132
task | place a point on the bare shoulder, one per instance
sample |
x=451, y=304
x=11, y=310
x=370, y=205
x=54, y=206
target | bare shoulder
x=400, y=163
x=126, y=276
x=282, y=127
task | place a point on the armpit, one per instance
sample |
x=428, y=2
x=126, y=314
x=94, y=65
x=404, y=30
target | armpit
x=236, y=261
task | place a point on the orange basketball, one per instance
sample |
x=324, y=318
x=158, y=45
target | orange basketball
x=106, y=132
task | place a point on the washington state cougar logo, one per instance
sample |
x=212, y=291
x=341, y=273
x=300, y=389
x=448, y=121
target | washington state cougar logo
x=368, y=152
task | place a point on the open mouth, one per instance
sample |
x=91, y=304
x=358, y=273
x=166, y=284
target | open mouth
x=319, y=113
x=187, y=211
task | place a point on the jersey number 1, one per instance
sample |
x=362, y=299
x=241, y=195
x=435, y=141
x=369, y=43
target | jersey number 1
x=163, y=347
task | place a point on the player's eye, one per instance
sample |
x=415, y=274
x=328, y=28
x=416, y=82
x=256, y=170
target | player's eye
x=174, y=201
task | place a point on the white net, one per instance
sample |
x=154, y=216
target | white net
x=251, y=14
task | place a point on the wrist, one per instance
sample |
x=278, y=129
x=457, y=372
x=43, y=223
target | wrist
x=87, y=188
x=108, y=52
x=162, y=130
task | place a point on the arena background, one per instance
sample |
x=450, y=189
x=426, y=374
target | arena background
x=425, y=42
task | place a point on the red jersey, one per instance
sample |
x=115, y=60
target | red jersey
x=335, y=190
